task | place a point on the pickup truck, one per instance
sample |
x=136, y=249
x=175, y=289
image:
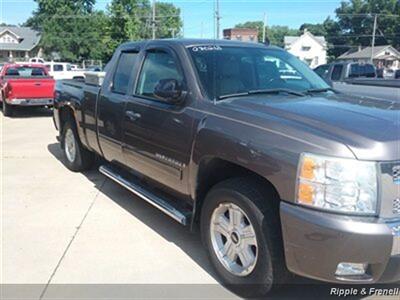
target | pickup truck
x=25, y=85
x=359, y=79
x=62, y=70
x=281, y=175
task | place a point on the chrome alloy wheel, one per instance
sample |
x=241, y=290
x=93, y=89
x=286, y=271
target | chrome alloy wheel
x=70, y=145
x=233, y=239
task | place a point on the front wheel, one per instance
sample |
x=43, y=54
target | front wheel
x=76, y=157
x=240, y=228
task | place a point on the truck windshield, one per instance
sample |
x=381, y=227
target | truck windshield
x=232, y=70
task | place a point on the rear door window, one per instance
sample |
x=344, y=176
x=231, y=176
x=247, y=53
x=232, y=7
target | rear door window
x=123, y=72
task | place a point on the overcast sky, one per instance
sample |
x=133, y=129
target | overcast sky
x=198, y=14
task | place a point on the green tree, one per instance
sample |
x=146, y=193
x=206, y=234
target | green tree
x=169, y=22
x=274, y=33
x=132, y=20
x=71, y=29
x=315, y=29
x=356, y=18
x=129, y=20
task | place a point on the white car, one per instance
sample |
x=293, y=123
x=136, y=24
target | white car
x=389, y=73
x=62, y=70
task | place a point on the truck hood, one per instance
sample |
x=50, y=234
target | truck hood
x=369, y=127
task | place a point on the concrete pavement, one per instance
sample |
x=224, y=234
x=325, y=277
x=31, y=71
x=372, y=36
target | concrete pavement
x=64, y=227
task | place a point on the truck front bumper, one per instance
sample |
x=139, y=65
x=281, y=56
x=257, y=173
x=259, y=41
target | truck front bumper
x=316, y=243
x=31, y=102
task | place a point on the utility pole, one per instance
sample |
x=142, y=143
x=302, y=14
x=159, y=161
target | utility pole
x=373, y=37
x=264, y=28
x=173, y=32
x=153, y=21
x=217, y=18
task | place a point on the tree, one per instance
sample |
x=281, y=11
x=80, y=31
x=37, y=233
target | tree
x=274, y=33
x=169, y=22
x=315, y=29
x=132, y=20
x=49, y=8
x=70, y=29
x=356, y=18
x=129, y=20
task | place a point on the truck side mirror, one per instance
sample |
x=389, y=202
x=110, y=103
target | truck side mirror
x=169, y=90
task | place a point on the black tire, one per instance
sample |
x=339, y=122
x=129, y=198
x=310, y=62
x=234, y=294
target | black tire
x=7, y=108
x=83, y=158
x=261, y=206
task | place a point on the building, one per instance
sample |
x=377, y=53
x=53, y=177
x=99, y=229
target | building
x=18, y=43
x=383, y=56
x=308, y=47
x=241, y=34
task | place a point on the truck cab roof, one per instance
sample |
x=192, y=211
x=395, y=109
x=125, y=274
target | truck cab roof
x=199, y=42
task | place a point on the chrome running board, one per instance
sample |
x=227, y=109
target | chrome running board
x=155, y=200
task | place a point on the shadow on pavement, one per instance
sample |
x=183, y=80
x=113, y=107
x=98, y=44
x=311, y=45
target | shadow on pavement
x=30, y=112
x=186, y=240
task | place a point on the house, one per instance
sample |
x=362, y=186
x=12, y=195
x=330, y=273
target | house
x=18, y=43
x=241, y=34
x=382, y=56
x=307, y=47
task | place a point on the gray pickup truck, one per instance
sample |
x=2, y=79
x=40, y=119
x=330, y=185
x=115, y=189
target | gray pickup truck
x=281, y=174
x=360, y=80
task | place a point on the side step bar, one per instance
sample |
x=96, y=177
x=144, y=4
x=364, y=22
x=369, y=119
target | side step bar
x=148, y=196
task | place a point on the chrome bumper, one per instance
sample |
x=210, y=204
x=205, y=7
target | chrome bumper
x=31, y=102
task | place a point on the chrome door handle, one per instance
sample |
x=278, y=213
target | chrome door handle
x=132, y=115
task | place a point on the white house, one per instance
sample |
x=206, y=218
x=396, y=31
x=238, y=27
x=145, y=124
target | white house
x=18, y=43
x=383, y=56
x=308, y=47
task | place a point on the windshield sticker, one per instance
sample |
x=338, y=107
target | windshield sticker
x=206, y=48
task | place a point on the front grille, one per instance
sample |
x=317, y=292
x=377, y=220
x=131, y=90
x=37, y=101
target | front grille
x=390, y=189
x=396, y=174
x=396, y=206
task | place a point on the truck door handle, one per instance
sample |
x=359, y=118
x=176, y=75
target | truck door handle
x=132, y=115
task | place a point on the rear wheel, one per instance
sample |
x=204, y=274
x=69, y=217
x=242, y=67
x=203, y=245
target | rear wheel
x=241, y=229
x=7, y=108
x=76, y=157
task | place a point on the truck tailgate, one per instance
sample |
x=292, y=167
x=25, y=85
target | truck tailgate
x=30, y=88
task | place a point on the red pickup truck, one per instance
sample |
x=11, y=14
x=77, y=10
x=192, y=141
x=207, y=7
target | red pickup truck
x=25, y=85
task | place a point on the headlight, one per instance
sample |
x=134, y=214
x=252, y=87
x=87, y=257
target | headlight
x=337, y=184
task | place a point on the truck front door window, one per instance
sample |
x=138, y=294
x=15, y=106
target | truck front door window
x=123, y=72
x=157, y=66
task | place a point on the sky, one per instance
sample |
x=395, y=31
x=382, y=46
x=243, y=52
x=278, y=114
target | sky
x=198, y=14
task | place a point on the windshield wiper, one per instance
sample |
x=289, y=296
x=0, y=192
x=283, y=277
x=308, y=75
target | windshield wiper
x=264, y=91
x=322, y=90
x=233, y=95
x=276, y=91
